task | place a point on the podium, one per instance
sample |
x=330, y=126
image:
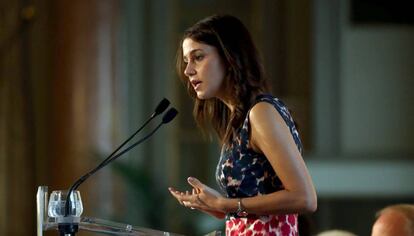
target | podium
x=46, y=222
x=65, y=217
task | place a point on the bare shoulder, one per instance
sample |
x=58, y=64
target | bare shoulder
x=263, y=114
x=267, y=127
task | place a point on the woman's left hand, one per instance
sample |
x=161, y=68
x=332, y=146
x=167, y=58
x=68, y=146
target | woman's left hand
x=202, y=197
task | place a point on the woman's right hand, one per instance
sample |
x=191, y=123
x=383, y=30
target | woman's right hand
x=202, y=198
x=192, y=201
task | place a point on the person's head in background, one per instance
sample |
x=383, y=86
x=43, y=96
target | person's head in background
x=336, y=232
x=220, y=66
x=394, y=220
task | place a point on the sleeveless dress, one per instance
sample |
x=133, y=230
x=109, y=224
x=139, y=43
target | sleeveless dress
x=241, y=173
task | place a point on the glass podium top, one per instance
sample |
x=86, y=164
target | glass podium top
x=45, y=222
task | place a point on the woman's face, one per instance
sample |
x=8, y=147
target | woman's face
x=205, y=69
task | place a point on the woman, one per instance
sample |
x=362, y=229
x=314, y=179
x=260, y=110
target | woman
x=261, y=170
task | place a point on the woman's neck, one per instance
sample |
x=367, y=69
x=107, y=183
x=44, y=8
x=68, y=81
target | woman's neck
x=228, y=101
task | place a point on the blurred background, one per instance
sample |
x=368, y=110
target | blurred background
x=78, y=77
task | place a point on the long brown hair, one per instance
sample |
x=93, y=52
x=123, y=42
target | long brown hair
x=244, y=80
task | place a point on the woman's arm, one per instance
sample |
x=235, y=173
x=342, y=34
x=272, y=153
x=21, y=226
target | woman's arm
x=271, y=136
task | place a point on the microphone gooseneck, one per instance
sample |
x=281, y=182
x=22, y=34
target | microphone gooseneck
x=161, y=107
x=169, y=116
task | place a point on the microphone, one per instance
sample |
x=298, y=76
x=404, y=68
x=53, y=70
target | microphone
x=169, y=116
x=161, y=107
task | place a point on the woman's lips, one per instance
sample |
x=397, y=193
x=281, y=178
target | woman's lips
x=196, y=84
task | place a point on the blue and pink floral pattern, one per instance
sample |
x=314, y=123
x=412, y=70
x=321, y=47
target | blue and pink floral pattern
x=242, y=172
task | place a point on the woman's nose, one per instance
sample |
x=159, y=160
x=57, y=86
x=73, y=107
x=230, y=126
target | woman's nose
x=189, y=69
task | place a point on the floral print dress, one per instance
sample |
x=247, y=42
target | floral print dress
x=241, y=173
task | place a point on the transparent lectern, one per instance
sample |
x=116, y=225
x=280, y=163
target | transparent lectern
x=50, y=216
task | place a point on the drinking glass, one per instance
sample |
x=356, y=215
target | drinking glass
x=57, y=202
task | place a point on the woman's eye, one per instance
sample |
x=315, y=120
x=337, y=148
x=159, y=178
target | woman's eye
x=199, y=57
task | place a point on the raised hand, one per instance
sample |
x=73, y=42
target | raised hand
x=202, y=198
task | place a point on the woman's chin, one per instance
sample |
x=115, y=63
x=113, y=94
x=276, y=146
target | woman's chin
x=202, y=96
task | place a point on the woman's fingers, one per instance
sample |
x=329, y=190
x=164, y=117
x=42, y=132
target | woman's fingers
x=176, y=194
x=183, y=197
x=187, y=199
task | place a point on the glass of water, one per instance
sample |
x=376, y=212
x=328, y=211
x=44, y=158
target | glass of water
x=57, y=202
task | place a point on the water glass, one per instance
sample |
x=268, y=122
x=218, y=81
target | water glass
x=57, y=202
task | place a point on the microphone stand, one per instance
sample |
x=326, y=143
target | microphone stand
x=68, y=225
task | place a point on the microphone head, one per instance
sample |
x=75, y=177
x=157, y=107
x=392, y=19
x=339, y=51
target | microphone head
x=161, y=106
x=169, y=116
